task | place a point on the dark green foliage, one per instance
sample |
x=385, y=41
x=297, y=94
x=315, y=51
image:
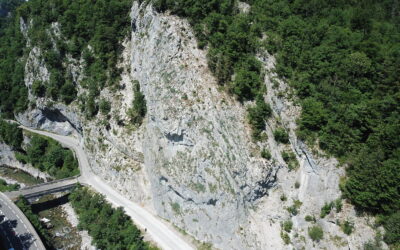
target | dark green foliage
x=246, y=84
x=104, y=106
x=347, y=227
x=13, y=93
x=294, y=208
x=68, y=92
x=285, y=237
x=38, y=88
x=310, y=218
x=138, y=110
x=257, y=116
x=49, y=156
x=326, y=209
x=4, y=187
x=25, y=207
x=281, y=135
x=290, y=159
x=342, y=59
x=266, y=154
x=91, y=106
x=338, y=205
x=100, y=24
x=315, y=233
x=287, y=226
x=109, y=227
x=7, y=6
x=392, y=227
x=11, y=135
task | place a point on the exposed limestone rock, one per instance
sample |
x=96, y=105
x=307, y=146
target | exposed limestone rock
x=7, y=158
x=318, y=178
x=192, y=160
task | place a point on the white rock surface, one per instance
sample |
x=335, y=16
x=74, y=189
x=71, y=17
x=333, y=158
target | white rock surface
x=72, y=218
x=192, y=161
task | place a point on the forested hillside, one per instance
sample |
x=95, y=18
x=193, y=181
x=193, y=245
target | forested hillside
x=342, y=60
x=102, y=26
x=341, y=57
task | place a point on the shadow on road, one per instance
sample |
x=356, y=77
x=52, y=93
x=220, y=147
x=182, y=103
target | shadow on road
x=18, y=241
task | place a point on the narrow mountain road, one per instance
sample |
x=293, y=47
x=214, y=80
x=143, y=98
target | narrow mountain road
x=165, y=237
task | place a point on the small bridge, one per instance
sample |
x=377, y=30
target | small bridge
x=45, y=188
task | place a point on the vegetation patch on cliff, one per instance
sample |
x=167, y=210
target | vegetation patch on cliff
x=342, y=60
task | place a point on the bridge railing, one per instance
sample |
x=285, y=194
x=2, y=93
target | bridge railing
x=50, y=182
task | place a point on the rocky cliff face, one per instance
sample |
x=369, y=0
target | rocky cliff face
x=192, y=160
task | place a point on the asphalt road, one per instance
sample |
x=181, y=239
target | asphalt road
x=166, y=237
x=15, y=229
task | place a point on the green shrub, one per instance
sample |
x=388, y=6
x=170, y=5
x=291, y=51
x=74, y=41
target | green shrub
x=347, y=227
x=297, y=185
x=281, y=135
x=315, y=233
x=11, y=134
x=290, y=159
x=294, y=209
x=392, y=227
x=68, y=92
x=338, y=205
x=310, y=218
x=326, y=209
x=285, y=237
x=104, y=106
x=266, y=154
x=38, y=89
x=287, y=226
x=139, y=109
x=4, y=187
x=257, y=115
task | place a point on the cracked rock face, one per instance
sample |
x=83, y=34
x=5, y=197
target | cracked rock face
x=197, y=150
x=192, y=160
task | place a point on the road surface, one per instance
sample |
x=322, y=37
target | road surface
x=15, y=228
x=165, y=237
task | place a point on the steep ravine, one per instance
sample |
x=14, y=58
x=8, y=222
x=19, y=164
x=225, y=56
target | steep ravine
x=192, y=161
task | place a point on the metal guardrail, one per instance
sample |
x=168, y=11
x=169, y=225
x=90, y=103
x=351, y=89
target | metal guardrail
x=44, y=188
x=50, y=183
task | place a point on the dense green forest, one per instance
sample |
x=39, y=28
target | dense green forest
x=49, y=156
x=43, y=153
x=93, y=30
x=11, y=135
x=13, y=93
x=342, y=58
x=109, y=227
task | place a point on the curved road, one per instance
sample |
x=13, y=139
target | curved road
x=160, y=233
x=15, y=228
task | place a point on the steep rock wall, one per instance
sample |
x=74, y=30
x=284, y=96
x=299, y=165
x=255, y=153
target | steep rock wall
x=192, y=161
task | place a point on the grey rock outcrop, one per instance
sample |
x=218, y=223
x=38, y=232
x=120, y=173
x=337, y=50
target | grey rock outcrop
x=192, y=161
